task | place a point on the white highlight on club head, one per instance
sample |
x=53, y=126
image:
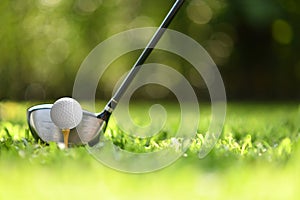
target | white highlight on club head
x=66, y=113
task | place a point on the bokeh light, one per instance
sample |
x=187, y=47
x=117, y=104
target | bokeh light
x=282, y=32
x=58, y=51
x=220, y=47
x=199, y=12
x=50, y=3
x=87, y=6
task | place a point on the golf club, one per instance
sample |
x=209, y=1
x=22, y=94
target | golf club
x=92, y=125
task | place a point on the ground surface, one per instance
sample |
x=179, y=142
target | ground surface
x=256, y=157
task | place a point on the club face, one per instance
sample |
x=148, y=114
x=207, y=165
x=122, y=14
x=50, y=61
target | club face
x=42, y=127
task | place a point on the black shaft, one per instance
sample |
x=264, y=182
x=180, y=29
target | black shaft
x=147, y=51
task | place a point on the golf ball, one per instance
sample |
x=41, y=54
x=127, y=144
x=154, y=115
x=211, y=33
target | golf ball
x=66, y=113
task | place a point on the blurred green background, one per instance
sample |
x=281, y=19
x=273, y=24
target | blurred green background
x=254, y=43
x=255, y=46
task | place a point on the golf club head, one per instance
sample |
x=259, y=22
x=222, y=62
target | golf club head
x=42, y=127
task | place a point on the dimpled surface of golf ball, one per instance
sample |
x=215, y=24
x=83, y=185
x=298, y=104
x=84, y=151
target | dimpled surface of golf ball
x=66, y=113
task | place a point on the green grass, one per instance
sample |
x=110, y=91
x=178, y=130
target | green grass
x=256, y=157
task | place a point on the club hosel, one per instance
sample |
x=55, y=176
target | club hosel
x=104, y=115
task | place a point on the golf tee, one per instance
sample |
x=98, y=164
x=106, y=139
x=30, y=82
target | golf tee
x=66, y=133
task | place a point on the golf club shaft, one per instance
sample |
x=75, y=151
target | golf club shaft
x=147, y=51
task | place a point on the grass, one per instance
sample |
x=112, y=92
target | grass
x=256, y=157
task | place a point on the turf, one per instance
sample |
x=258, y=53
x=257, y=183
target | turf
x=256, y=157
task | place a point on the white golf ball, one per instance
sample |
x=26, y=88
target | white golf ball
x=66, y=113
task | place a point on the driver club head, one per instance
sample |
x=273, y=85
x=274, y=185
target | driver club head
x=42, y=128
